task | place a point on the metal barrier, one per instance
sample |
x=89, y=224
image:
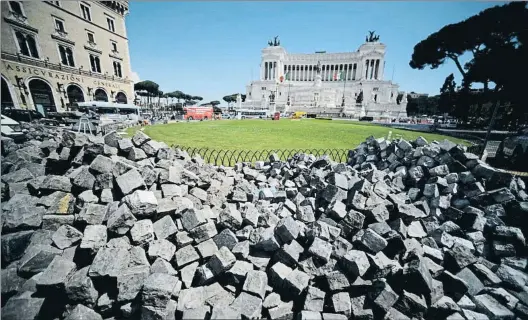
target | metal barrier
x=231, y=157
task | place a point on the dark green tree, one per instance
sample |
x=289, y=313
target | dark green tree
x=229, y=99
x=178, y=95
x=495, y=40
x=446, y=102
x=217, y=110
x=215, y=103
x=148, y=86
x=412, y=106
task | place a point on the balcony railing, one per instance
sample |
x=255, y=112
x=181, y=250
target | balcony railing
x=58, y=67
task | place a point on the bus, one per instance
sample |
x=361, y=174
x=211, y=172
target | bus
x=251, y=114
x=198, y=113
x=109, y=112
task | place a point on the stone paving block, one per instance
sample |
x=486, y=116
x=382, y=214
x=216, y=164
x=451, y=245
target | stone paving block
x=161, y=248
x=186, y=255
x=142, y=232
x=56, y=274
x=248, y=305
x=94, y=238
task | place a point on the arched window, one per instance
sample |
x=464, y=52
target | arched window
x=121, y=98
x=74, y=94
x=100, y=95
x=42, y=95
x=7, y=99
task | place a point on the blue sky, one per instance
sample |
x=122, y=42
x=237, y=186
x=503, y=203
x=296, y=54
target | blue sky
x=212, y=49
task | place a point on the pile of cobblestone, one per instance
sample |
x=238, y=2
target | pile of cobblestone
x=105, y=227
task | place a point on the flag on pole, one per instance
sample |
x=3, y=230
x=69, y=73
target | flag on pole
x=338, y=76
x=285, y=77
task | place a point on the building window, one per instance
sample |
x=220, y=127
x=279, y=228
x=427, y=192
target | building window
x=111, y=25
x=117, y=69
x=114, y=46
x=27, y=44
x=95, y=63
x=91, y=38
x=16, y=8
x=85, y=11
x=66, y=56
x=59, y=25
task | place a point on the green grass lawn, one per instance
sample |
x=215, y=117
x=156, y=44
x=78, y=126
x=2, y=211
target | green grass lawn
x=283, y=134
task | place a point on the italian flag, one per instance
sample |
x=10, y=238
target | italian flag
x=285, y=77
x=339, y=76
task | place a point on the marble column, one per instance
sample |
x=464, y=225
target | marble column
x=367, y=63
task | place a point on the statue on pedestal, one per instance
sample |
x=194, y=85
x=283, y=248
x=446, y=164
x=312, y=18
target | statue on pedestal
x=239, y=101
x=372, y=37
x=275, y=42
x=318, y=67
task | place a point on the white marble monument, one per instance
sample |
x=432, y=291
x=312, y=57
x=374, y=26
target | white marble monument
x=326, y=83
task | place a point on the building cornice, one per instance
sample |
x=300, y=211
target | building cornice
x=58, y=38
x=20, y=25
x=114, y=56
x=93, y=49
x=8, y=57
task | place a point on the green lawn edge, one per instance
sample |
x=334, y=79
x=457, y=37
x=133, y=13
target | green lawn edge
x=277, y=135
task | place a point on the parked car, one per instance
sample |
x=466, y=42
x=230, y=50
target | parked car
x=11, y=129
x=366, y=119
x=513, y=151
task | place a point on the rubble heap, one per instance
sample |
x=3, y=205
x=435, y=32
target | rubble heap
x=117, y=228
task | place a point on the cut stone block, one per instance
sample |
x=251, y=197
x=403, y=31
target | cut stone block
x=94, y=238
x=142, y=232
x=164, y=228
x=256, y=282
x=186, y=255
x=162, y=249
x=56, y=274
x=66, y=236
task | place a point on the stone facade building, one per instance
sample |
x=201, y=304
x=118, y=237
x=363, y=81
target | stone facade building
x=349, y=83
x=56, y=53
